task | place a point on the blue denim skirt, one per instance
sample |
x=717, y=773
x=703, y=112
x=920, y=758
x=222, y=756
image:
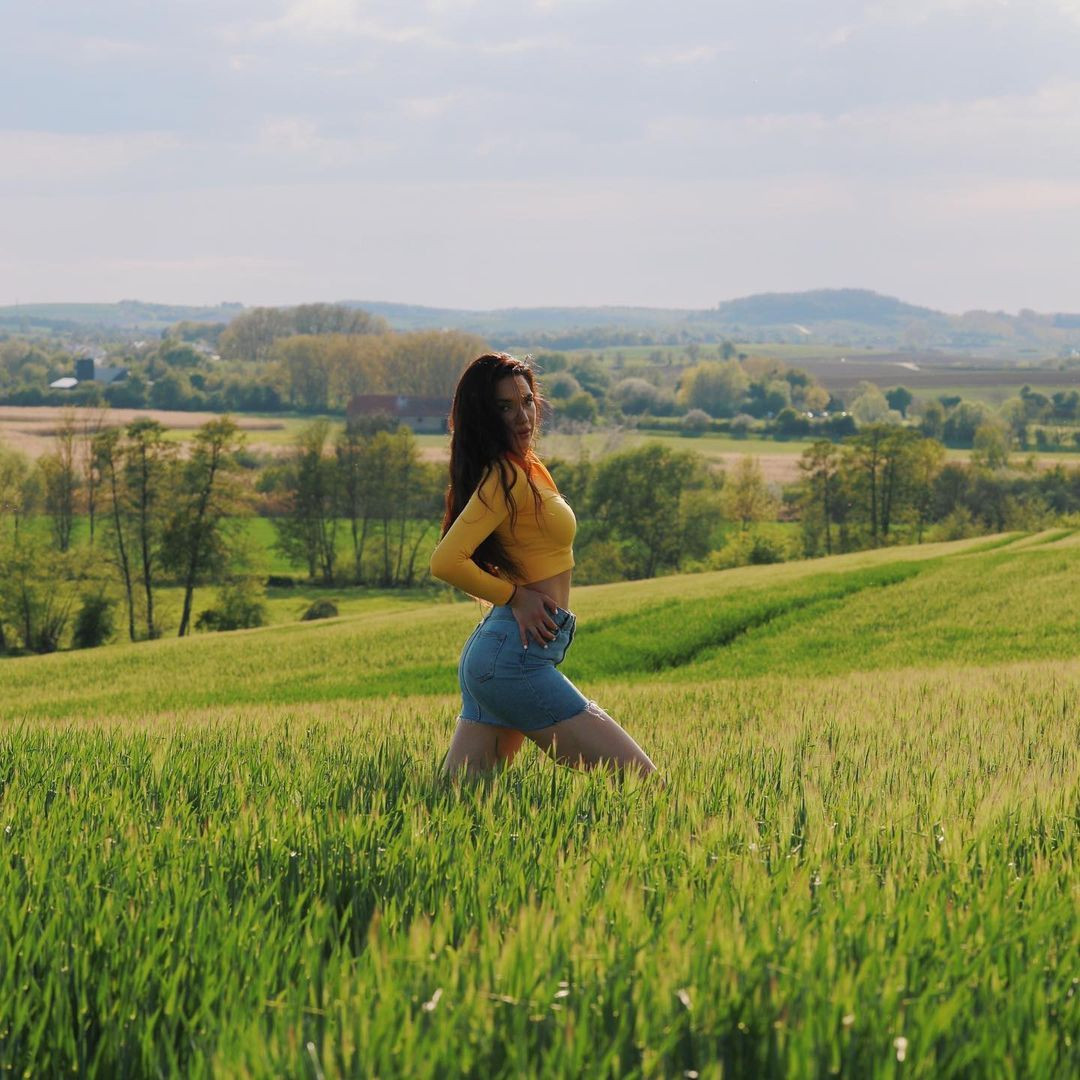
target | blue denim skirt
x=510, y=686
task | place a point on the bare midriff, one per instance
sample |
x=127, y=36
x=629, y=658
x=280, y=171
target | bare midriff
x=557, y=587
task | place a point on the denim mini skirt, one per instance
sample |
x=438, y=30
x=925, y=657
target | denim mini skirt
x=510, y=686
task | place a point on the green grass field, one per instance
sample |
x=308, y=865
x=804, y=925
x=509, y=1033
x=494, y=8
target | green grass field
x=233, y=855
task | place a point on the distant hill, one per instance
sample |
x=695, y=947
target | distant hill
x=846, y=317
x=125, y=317
x=821, y=305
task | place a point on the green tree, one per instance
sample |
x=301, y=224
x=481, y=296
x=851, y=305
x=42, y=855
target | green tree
x=990, y=446
x=1013, y=413
x=108, y=454
x=18, y=495
x=173, y=390
x=204, y=504
x=636, y=497
x=927, y=463
x=251, y=336
x=879, y=466
x=306, y=362
x=746, y=497
x=178, y=354
x=636, y=396
x=962, y=422
x=932, y=420
x=870, y=406
x=60, y=476
x=406, y=494
x=561, y=386
x=819, y=465
x=355, y=489
x=429, y=362
x=92, y=425
x=581, y=407
x=148, y=472
x=19, y=489
x=899, y=398
x=38, y=588
x=717, y=388
x=307, y=533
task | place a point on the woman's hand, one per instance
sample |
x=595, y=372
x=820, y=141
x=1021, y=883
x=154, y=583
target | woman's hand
x=530, y=609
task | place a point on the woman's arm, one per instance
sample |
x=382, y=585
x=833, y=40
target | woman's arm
x=451, y=561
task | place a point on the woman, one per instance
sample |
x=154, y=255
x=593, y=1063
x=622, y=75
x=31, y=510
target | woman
x=507, y=539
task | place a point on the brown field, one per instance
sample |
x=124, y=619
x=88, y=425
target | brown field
x=30, y=428
x=931, y=371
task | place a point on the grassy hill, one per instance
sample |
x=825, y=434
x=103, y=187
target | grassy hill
x=233, y=854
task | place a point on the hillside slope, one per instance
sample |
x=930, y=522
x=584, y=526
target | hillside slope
x=235, y=855
x=969, y=602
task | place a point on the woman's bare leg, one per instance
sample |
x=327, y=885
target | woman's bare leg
x=479, y=748
x=592, y=739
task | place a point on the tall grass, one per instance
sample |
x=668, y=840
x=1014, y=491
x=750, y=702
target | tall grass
x=870, y=873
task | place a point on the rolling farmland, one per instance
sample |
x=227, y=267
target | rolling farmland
x=234, y=855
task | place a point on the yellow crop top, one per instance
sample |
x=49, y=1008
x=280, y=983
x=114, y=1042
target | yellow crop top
x=540, y=543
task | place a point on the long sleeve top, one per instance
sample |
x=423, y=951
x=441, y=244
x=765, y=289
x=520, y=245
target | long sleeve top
x=540, y=541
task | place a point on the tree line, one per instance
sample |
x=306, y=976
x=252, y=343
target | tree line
x=115, y=514
x=891, y=484
x=313, y=358
x=357, y=507
x=152, y=517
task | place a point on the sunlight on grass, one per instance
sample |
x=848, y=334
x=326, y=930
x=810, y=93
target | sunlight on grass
x=234, y=854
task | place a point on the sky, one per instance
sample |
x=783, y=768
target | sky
x=495, y=153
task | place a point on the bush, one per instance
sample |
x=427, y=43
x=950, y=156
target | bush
x=764, y=551
x=561, y=386
x=93, y=623
x=741, y=425
x=635, y=396
x=600, y=562
x=695, y=422
x=790, y=424
x=321, y=609
x=582, y=406
x=241, y=607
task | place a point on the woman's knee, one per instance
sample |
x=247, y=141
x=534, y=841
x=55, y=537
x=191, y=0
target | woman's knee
x=592, y=738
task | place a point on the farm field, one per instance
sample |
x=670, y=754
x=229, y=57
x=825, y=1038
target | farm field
x=234, y=855
x=30, y=428
x=842, y=368
x=779, y=460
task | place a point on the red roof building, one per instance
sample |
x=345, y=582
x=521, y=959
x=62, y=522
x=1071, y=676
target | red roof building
x=426, y=414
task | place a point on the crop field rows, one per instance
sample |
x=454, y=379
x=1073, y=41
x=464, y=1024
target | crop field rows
x=236, y=855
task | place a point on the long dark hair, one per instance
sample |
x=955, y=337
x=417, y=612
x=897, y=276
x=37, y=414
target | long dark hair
x=480, y=442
